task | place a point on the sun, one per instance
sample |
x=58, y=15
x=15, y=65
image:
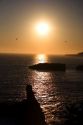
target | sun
x=42, y=28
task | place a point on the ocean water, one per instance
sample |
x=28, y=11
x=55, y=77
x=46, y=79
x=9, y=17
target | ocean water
x=50, y=88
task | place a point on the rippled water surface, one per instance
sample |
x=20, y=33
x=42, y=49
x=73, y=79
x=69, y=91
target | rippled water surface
x=50, y=88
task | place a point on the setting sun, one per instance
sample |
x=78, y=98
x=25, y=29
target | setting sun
x=42, y=28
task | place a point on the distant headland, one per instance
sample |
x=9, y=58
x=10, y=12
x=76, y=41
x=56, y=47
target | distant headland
x=78, y=54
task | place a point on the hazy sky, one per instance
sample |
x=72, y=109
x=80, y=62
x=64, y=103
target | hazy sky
x=18, y=17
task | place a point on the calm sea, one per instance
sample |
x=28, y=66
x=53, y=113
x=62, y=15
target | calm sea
x=51, y=88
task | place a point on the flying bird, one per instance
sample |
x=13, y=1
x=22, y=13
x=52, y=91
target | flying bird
x=16, y=38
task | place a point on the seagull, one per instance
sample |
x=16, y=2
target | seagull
x=16, y=38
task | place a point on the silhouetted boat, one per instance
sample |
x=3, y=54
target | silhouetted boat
x=49, y=67
x=79, y=67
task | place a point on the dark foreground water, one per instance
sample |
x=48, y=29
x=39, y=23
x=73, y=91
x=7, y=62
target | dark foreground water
x=51, y=88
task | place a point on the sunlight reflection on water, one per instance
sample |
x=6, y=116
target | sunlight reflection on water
x=46, y=93
x=54, y=88
x=44, y=84
x=51, y=88
x=41, y=58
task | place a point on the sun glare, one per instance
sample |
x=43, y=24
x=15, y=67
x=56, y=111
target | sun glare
x=41, y=58
x=42, y=28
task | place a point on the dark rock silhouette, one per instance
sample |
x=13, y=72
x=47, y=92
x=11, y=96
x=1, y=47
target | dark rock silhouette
x=26, y=112
x=48, y=67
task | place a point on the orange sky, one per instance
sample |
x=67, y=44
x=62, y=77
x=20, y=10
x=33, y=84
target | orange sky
x=17, y=20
